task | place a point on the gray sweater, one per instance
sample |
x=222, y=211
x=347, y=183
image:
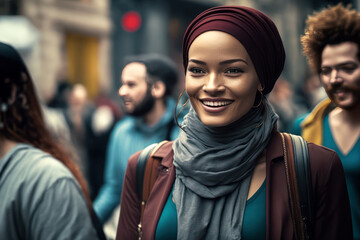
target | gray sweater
x=40, y=198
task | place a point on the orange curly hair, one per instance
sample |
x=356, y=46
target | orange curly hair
x=332, y=25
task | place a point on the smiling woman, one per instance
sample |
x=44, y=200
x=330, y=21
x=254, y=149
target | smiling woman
x=225, y=173
x=221, y=80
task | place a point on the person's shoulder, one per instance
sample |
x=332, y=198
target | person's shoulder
x=52, y=169
x=42, y=167
x=124, y=125
x=132, y=162
x=33, y=172
x=323, y=158
x=160, y=151
x=296, y=125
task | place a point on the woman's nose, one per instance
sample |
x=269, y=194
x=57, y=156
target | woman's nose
x=213, y=84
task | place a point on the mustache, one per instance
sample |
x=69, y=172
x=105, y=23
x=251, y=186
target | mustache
x=126, y=99
x=334, y=88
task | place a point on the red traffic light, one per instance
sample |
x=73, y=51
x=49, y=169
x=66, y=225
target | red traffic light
x=131, y=21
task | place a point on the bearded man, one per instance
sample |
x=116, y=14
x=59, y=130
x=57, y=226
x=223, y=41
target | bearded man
x=147, y=85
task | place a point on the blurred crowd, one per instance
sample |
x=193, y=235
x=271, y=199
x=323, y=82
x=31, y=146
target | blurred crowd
x=84, y=127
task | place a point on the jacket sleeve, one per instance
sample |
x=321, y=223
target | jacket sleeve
x=130, y=203
x=332, y=206
x=110, y=192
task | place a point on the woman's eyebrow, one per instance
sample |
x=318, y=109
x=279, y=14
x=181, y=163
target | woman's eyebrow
x=197, y=61
x=221, y=63
x=233, y=60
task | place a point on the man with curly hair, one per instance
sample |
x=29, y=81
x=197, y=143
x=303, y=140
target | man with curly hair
x=332, y=46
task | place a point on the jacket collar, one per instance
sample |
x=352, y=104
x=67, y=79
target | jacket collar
x=274, y=149
x=165, y=153
x=312, y=126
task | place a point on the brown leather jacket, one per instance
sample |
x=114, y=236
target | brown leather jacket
x=332, y=209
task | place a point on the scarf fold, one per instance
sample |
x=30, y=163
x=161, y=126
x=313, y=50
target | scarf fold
x=213, y=172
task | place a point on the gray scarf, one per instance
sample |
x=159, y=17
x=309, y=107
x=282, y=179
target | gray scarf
x=213, y=173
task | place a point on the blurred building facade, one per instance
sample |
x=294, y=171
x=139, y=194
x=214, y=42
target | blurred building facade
x=85, y=41
x=74, y=43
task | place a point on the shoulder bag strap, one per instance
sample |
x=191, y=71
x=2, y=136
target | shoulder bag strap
x=140, y=168
x=292, y=186
x=304, y=181
x=146, y=173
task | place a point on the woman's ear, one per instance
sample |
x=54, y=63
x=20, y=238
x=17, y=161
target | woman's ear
x=260, y=87
x=158, y=89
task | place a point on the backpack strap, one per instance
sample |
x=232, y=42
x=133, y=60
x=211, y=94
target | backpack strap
x=146, y=174
x=298, y=176
x=304, y=181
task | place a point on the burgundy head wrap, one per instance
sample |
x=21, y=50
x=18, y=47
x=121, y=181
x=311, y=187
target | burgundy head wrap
x=256, y=32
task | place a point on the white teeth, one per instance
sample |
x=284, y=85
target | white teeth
x=217, y=103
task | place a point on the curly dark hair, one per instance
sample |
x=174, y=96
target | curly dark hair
x=332, y=25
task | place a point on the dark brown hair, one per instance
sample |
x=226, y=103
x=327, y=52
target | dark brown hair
x=21, y=116
x=332, y=25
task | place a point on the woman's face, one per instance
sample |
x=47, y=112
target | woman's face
x=221, y=80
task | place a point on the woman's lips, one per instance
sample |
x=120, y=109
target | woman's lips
x=215, y=106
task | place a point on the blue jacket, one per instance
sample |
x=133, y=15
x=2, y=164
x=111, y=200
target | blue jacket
x=129, y=136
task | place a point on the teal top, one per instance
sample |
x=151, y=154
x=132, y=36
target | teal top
x=167, y=225
x=254, y=222
x=351, y=164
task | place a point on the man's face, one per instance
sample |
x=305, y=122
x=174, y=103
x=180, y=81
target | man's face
x=135, y=90
x=340, y=74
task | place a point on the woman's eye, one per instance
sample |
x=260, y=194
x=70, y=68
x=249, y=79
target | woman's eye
x=196, y=70
x=233, y=71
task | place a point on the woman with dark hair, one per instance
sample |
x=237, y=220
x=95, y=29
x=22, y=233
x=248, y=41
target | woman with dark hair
x=43, y=194
x=224, y=177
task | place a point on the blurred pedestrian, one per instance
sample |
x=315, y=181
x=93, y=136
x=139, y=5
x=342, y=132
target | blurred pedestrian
x=282, y=100
x=43, y=193
x=77, y=114
x=147, y=85
x=98, y=129
x=332, y=46
x=224, y=176
x=309, y=92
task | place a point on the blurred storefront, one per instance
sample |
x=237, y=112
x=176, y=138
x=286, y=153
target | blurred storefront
x=74, y=43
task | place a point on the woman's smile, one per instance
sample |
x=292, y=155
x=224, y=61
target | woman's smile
x=215, y=105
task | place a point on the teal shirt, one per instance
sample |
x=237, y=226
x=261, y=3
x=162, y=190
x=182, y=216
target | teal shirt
x=351, y=164
x=167, y=225
x=254, y=222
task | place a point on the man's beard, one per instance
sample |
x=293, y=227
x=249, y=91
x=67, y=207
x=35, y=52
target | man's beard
x=145, y=106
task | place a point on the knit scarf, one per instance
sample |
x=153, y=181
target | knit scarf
x=213, y=172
